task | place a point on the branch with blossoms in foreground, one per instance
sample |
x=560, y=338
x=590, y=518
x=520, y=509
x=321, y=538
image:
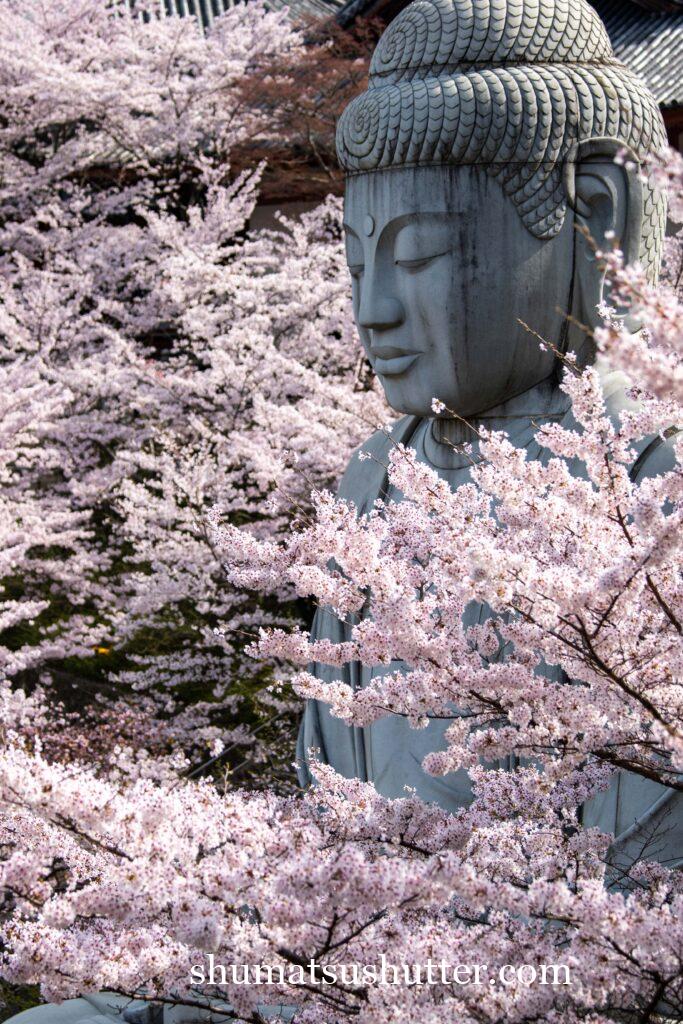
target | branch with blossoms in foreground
x=576, y=668
x=576, y=560
x=125, y=886
x=579, y=572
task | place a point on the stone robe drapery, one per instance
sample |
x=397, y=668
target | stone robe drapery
x=389, y=753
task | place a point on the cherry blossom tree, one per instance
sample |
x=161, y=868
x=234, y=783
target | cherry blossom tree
x=127, y=881
x=161, y=361
x=300, y=150
x=187, y=362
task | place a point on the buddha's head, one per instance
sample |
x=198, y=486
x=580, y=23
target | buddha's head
x=478, y=161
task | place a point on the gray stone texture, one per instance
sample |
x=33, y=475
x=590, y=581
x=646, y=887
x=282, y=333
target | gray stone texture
x=479, y=157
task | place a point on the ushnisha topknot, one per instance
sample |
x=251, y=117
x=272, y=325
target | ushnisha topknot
x=512, y=85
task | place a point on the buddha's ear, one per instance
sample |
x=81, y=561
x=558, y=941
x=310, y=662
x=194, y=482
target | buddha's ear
x=607, y=199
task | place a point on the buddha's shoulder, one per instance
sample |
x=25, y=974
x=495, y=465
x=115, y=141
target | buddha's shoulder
x=657, y=455
x=365, y=476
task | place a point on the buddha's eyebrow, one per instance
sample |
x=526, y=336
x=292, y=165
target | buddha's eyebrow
x=420, y=215
x=397, y=223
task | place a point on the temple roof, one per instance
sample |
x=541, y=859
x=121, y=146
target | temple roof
x=207, y=10
x=648, y=36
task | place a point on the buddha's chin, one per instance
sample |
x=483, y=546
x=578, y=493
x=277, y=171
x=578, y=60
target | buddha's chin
x=409, y=397
x=407, y=401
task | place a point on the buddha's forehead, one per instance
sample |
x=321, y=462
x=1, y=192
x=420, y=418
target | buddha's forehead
x=374, y=200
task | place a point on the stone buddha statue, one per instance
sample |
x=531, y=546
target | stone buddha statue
x=479, y=161
x=485, y=140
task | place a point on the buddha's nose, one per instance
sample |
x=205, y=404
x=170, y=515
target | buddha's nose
x=380, y=312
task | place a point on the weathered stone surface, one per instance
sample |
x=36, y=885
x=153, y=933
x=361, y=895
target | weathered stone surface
x=486, y=138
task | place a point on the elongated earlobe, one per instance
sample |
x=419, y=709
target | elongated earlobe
x=607, y=199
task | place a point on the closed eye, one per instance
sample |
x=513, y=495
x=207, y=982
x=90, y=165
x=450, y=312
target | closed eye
x=356, y=269
x=421, y=261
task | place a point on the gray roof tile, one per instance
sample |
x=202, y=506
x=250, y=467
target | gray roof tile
x=207, y=10
x=650, y=43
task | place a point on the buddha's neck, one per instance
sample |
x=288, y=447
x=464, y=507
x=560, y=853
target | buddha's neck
x=516, y=416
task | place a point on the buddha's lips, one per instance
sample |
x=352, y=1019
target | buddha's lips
x=390, y=361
